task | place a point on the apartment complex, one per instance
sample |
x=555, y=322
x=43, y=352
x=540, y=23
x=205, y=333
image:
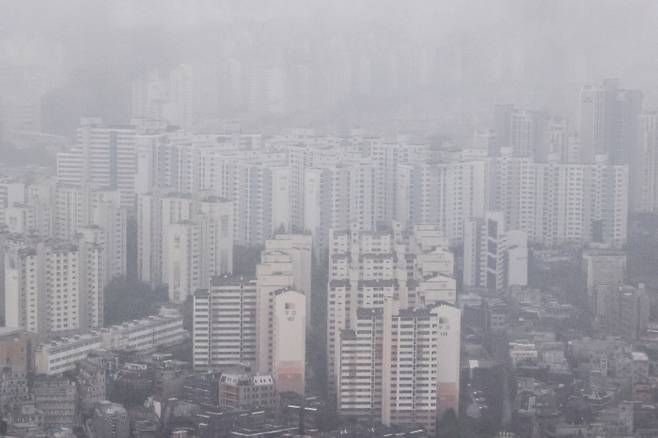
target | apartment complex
x=53, y=287
x=183, y=241
x=368, y=267
x=224, y=318
x=400, y=366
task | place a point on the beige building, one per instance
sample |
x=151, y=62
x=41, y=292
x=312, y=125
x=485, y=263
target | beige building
x=289, y=342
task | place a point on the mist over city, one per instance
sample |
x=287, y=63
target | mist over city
x=329, y=219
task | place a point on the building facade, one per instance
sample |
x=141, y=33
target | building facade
x=224, y=324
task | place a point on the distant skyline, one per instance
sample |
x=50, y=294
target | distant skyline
x=532, y=54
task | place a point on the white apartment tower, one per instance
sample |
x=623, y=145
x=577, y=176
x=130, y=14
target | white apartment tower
x=182, y=270
x=400, y=366
x=364, y=268
x=183, y=241
x=360, y=358
x=441, y=193
x=224, y=324
x=108, y=214
x=76, y=207
x=92, y=244
x=421, y=355
x=26, y=208
x=338, y=197
x=367, y=267
x=54, y=288
x=103, y=157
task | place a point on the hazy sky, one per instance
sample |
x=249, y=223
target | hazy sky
x=533, y=52
x=620, y=35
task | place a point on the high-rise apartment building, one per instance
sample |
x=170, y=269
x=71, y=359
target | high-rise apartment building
x=609, y=121
x=78, y=207
x=367, y=267
x=400, y=366
x=364, y=268
x=622, y=310
x=183, y=241
x=442, y=193
x=494, y=257
x=561, y=202
x=26, y=208
x=104, y=157
x=54, y=288
x=323, y=183
x=644, y=174
x=183, y=268
x=170, y=98
x=21, y=210
x=274, y=273
x=523, y=131
x=289, y=341
x=299, y=248
x=360, y=362
x=422, y=380
x=224, y=324
x=605, y=270
x=317, y=205
x=338, y=196
x=252, y=188
x=592, y=122
x=285, y=266
x=229, y=330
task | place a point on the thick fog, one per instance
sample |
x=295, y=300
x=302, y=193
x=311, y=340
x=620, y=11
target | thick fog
x=437, y=58
x=328, y=218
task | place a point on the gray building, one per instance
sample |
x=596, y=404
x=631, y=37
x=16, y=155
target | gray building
x=23, y=419
x=91, y=383
x=241, y=391
x=15, y=363
x=110, y=420
x=57, y=398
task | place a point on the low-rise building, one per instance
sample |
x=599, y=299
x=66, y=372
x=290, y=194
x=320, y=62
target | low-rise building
x=522, y=353
x=23, y=419
x=201, y=389
x=15, y=363
x=91, y=383
x=497, y=311
x=110, y=420
x=63, y=354
x=146, y=334
x=241, y=391
x=57, y=398
x=141, y=336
